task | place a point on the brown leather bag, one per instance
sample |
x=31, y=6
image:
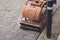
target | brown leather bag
x=32, y=12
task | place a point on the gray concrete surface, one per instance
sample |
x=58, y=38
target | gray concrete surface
x=10, y=17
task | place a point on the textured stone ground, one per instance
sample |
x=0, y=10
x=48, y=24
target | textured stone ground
x=10, y=16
